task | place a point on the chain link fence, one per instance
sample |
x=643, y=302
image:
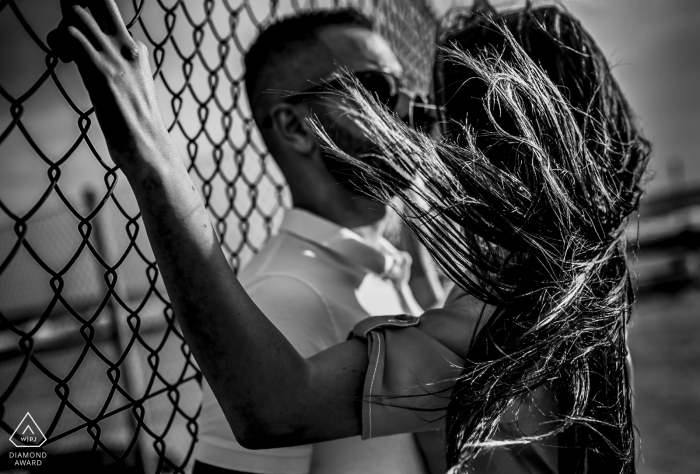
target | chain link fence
x=88, y=341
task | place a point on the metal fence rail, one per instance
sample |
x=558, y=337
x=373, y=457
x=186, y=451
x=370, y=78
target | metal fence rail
x=88, y=341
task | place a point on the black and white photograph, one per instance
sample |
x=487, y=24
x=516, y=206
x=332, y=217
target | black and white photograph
x=350, y=236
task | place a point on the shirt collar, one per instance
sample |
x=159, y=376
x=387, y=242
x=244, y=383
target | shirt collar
x=345, y=242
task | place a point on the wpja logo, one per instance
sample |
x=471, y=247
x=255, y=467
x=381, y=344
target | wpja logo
x=28, y=435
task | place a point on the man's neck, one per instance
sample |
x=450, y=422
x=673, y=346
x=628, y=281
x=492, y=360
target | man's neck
x=361, y=215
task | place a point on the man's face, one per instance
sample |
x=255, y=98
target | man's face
x=358, y=50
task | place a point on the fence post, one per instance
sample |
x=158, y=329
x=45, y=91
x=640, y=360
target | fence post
x=131, y=371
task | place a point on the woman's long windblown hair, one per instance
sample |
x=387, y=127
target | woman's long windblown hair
x=523, y=204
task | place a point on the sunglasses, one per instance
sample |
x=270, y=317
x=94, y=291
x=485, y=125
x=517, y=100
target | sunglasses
x=422, y=115
x=386, y=89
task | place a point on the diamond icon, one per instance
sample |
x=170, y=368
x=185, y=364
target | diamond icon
x=28, y=434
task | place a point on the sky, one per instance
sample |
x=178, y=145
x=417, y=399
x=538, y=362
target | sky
x=654, y=46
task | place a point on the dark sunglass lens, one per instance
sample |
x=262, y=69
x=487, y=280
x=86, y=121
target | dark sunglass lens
x=381, y=85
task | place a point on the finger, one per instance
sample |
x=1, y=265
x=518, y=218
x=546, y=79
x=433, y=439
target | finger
x=67, y=7
x=68, y=12
x=86, y=48
x=61, y=42
x=109, y=17
x=116, y=17
x=87, y=24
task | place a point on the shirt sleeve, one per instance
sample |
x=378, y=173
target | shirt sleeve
x=409, y=377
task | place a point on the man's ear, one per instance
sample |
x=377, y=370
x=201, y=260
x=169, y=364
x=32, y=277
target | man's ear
x=288, y=124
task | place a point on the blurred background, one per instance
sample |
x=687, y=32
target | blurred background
x=88, y=344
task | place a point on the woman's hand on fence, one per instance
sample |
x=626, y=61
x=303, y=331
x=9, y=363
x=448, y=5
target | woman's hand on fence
x=271, y=395
x=117, y=74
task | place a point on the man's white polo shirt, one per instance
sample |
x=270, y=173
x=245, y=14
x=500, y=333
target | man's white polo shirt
x=315, y=280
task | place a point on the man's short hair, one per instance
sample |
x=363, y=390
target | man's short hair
x=288, y=37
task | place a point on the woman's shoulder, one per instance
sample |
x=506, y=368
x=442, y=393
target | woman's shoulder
x=454, y=325
x=457, y=323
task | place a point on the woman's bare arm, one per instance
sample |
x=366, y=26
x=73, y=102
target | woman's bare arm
x=270, y=395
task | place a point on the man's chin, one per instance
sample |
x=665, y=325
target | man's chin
x=384, y=182
x=362, y=187
x=376, y=208
x=364, y=196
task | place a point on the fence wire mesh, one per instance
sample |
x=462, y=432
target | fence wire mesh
x=88, y=341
